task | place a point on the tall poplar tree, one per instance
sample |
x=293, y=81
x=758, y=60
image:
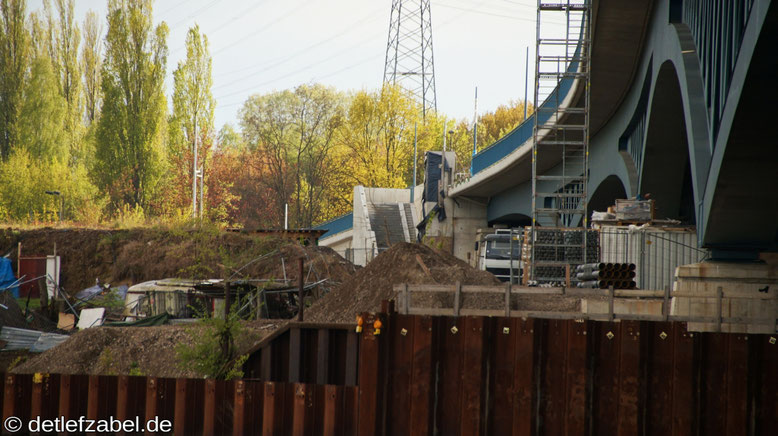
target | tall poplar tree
x=91, y=62
x=13, y=65
x=193, y=106
x=130, y=134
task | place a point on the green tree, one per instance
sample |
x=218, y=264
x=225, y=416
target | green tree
x=91, y=62
x=64, y=39
x=192, y=119
x=378, y=137
x=229, y=138
x=13, y=65
x=130, y=133
x=294, y=133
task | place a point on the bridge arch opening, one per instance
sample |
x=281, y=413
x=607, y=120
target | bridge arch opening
x=606, y=194
x=666, y=168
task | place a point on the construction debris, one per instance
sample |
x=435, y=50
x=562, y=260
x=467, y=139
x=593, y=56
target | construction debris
x=26, y=339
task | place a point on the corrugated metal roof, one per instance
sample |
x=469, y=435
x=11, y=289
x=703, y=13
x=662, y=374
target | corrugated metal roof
x=33, y=340
x=47, y=341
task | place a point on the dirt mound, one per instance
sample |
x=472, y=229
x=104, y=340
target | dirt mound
x=319, y=263
x=138, y=255
x=118, y=350
x=402, y=263
x=11, y=315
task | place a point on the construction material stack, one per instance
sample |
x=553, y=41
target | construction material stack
x=557, y=249
x=603, y=275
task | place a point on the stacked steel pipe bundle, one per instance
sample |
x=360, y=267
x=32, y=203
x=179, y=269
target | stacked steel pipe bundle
x=603, y=275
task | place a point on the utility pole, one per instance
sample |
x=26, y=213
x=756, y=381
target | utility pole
x=415, y=150
x=194, y=172
x=475, y=124
x=526, y=82
x=409, y=59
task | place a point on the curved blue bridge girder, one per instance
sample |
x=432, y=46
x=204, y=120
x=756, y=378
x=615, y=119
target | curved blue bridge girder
x=683, y=106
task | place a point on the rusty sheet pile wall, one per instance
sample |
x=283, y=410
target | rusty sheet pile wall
x=508, y=376
x=427, y=375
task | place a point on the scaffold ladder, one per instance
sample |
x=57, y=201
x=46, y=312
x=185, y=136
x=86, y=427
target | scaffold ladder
x=560, y=148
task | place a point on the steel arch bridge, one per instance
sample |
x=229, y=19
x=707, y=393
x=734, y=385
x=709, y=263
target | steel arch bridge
x=684, y=105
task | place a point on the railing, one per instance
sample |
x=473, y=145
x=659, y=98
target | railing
x=405, y=304
x=717, y=28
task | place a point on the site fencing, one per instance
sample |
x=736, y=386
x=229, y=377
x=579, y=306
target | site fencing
x=424, y=375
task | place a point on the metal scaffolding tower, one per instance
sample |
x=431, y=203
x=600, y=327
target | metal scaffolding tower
x=409, y=59
x=560, y=149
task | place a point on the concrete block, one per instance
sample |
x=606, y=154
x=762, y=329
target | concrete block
x=622, y=306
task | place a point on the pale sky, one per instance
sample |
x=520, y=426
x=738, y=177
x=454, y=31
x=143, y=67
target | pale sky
x=259, y=46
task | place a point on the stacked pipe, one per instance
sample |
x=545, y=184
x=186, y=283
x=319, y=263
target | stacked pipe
x=603, y=275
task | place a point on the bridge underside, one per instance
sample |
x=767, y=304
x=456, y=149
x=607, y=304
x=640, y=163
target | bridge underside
x=664, y=123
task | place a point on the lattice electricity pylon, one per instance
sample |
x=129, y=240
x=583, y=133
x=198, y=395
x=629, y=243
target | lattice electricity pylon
x=560, y=150
x=409, y=59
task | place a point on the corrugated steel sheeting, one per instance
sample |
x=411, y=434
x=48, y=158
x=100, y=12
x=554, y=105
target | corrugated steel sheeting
x=33, y=340
x=655, y=251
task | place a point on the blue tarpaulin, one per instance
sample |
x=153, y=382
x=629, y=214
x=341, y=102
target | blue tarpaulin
x=7, y=277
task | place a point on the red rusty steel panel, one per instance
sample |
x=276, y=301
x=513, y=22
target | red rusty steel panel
x=402, y=335
x=195, y=399
x=179, y=421
x=188, y=406
x=209, y=408
x=152, y=387
x=450, y=338
x=713, y=382
x=247, y=412
x=766, y=347
x=73, y=395
x=303, y=406
x=17, y=396
x=421, y=395
x=135, y=400
x=45, y=396
x=160, y=399
x=473, y=375
x=101, y=396
x=737, y=385
x=575, y=381
x=239, y=410
x=660, y=341
x=369, y=380
x=605, y=384
x=684, y=404
x=273, y=409
x=552, y=390
x=318, y=407
x=629, y=377
x=289, y=395
x=333, y=419
x=504, y=332
x=350, y=410
x=524, y=378
x=224, y=396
